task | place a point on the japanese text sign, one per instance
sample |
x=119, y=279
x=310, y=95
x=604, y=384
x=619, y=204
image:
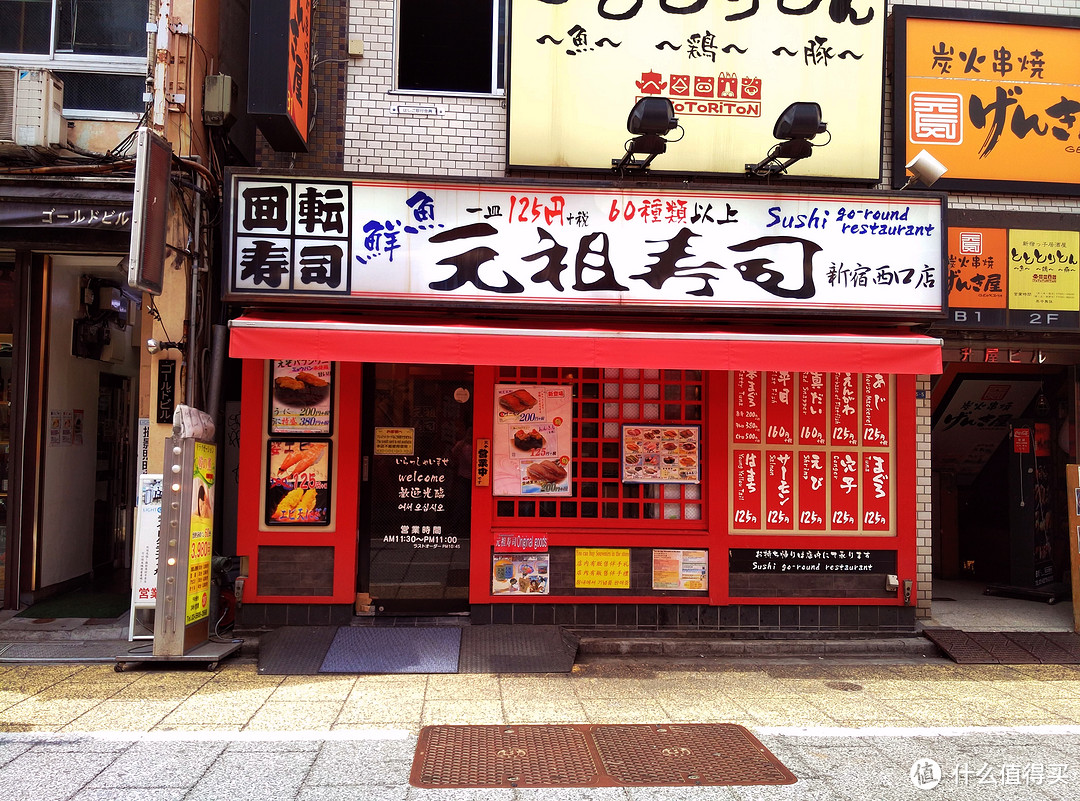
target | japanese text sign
x=730, y=68
x=992, y=96
x=607, y=568
x=820, y=460
x=636, y=250
x=1013, y=278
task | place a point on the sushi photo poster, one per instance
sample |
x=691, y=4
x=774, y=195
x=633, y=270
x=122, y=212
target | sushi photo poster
x=301, y=397
x=532, y=442
x=298, y=485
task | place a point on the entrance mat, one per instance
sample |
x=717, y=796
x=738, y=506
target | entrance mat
x=294, y=650
x=583, y=755
x=1007, y=647
x=407, y=649
x=80, y=604
x=517, y=649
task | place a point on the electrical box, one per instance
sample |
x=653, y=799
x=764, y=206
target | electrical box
x=220, y=95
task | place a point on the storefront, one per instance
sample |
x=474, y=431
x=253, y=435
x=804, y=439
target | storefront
x=1005, y=405
x=582, y=404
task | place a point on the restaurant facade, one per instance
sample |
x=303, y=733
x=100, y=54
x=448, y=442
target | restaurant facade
x=543, y=404
x=528, y=380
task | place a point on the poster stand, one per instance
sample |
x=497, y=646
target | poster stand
x=182, y=606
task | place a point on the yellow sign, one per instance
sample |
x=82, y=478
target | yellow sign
x=992, y=100
x=608, y=568
x=482, y=462
x=201, y=539
x=395, y=441
x=730, y=68
x=1043, y=270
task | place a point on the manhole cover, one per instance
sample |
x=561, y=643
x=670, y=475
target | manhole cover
x=503, y=756
x=676, y=755
x=707, y=754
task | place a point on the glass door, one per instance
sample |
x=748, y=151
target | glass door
x=416, y=487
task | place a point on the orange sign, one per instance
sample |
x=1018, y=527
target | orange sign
x=299, y=64
x=990, y=98
x=978, y=268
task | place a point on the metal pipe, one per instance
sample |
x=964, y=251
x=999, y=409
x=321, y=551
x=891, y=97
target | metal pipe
x=217, y=370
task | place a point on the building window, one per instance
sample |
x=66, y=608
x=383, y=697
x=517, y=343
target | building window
x=605, y=399
x=451, y=46
x=97, y=47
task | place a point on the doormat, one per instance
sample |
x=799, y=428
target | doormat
x=517, y=649
x=406, y=649
x=80, y=604
x=583, y=755
x=1007, y=647
x=294, y=650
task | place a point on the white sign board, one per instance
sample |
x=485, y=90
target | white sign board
x=144, y=562
x=638, y=251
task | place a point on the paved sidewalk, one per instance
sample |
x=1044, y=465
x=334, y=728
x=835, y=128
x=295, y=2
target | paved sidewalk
x=847, y=730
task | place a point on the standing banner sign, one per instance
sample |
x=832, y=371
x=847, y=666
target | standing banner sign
x=144, y=560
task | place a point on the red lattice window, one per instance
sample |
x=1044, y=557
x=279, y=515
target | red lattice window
x=605, y=399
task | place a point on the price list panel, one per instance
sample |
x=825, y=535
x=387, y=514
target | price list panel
x=811, y=452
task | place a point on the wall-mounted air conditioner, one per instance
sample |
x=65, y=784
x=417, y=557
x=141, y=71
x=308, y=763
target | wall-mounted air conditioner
x=31, y=107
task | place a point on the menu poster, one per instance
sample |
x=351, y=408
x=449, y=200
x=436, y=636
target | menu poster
x=845, y=491
x=747, y=507
x=812, y=422
x=519, y=574
x=876, y=410
x=812, y=508
x=876, y=492
x=661, y=454
x=533, y=440
x=747, y=407
x=779, y=408
x=301, y=396
x=845, y=409
x=680, y=570
x=298, y=483
x=779, y=481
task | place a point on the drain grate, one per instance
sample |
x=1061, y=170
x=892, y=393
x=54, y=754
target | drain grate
x=1007, y=647
x=644, y=755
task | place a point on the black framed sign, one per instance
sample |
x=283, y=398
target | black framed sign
x=301, y=397
x=298, y=482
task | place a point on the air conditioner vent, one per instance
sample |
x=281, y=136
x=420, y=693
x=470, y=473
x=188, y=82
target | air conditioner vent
x=7, y=105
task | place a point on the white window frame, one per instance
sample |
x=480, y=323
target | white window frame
x=496, y=90
x=61, y=61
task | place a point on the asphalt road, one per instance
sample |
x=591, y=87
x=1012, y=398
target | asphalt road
x=846, y=729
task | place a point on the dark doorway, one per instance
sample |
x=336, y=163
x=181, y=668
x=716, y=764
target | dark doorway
x=416, y=487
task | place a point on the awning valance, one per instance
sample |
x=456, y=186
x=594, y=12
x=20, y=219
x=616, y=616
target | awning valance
x=255, y=337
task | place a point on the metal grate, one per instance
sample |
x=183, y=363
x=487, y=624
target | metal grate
x=650, y=755
x=1007, y=647
x=696, y=754
x=503, y=756
x=604, y=399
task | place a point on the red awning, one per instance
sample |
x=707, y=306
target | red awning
x=347, y=340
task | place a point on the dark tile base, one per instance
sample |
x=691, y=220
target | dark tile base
x=772, y=620
x=256, y=615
